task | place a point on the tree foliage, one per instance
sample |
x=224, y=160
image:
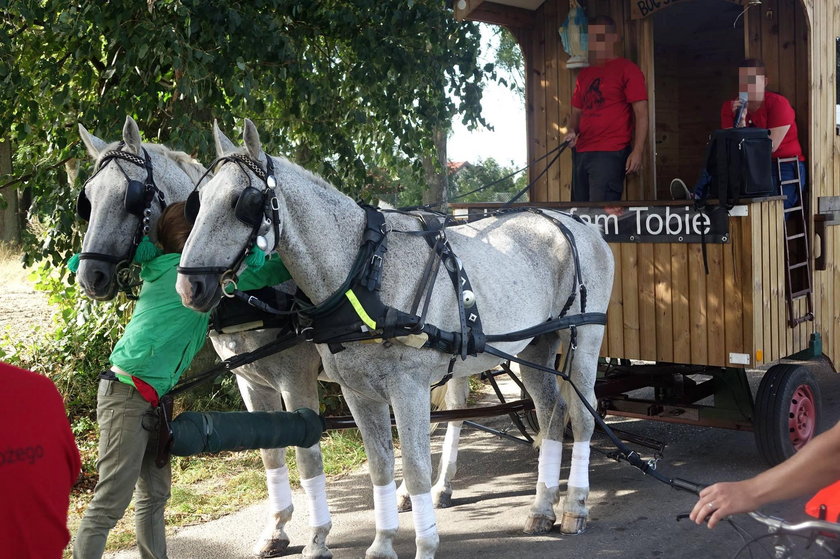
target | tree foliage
x=486, y=181
x=341, y=87
x=349, y=89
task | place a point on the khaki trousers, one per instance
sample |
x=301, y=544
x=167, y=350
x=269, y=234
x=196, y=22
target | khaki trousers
x=126, y=465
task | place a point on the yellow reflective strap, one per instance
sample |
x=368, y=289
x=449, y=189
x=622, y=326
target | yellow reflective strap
x=360, y=310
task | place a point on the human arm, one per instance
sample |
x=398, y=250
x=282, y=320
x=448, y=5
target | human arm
x=574, y=122
x=815, y=466
x=634, y=160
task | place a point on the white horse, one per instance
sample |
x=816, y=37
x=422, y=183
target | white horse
x=115, y=222
x=522, y=270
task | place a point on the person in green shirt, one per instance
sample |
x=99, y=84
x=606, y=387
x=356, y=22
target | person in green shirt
x=158, y=344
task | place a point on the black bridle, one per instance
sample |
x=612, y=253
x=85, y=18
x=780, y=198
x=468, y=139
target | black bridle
x=253, y=207
x=138, y=202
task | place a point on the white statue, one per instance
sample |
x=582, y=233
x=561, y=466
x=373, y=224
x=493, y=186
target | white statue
x=575, y=38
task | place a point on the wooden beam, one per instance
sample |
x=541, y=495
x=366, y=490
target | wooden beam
x=464, y=13
x=498, y=14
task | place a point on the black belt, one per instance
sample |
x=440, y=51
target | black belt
x=108, y=374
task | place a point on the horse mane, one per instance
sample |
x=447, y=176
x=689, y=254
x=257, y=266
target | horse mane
x=297, y=169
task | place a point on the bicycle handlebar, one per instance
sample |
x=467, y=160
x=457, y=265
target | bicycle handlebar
x=806, y=526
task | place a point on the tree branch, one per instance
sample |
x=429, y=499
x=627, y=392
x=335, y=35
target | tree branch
x=27, y=176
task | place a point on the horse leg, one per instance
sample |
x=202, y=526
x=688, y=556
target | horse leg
x=551, y=415
x=454, y=396
x=374, y=422
x=410, y=402
x=273, y=540
x=583, y=371
x=301, y=390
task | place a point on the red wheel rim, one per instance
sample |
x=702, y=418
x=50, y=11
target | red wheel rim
x=802, y=420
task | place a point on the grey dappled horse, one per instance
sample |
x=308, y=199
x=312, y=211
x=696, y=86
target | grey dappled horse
x=292, y=374
x=522, y=272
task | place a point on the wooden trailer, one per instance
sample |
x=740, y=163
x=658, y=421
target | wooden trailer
x=771, y=296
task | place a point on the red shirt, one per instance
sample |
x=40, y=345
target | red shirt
x=775, y=111
x=604, y=95
x=39, y=463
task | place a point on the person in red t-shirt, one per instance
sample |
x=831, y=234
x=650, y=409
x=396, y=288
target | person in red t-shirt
x=765, y=109
x=39, y=464
x=609, y=114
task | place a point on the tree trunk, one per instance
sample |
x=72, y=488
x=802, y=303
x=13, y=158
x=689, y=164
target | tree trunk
x=435, y=170
x=10, y=221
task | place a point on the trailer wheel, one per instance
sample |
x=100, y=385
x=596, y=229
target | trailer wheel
x=787, y=411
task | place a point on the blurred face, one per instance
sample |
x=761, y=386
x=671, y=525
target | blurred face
x=753, y=81
x=601, y=42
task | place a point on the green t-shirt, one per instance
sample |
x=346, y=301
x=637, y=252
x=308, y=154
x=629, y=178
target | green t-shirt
x=163, y=335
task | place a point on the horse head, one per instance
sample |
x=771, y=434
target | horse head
x=238, y=209
x=131, y=185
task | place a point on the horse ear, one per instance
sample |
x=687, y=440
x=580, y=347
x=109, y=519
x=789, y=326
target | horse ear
x=252, y=140
x=93, y=144
x=131, y=135
x=223, y=143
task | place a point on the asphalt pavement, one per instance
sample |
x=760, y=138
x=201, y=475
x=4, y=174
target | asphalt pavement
x=631, y=515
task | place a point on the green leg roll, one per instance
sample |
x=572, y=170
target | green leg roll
x=195, y=432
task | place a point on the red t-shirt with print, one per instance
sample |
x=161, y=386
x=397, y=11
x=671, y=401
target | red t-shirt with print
x=775, y=111
x=604, y=95
x=39, y=463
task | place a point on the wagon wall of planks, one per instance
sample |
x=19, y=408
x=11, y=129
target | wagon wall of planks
x=664, y=306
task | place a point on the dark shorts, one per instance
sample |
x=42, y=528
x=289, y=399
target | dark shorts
x=598, y=176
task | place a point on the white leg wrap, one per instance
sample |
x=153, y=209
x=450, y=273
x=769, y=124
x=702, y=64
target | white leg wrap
x=316, y=492
x=279, y=492
x=551, y=454
x=385, y=506
x=423, y=514
x=449, y=452
x=579, y=473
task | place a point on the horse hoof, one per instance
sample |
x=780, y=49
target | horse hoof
x=403, y=503
x=273, y=548
x=539, y=524
x=443, y=500
x=380, y=555
x=572, y=524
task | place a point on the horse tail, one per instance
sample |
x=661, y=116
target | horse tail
x=438, y=399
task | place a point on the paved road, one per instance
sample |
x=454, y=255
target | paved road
x=630, y=515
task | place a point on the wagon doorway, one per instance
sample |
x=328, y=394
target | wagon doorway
x=696, y=52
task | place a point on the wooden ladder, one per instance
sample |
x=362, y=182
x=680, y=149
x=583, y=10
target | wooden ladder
x=797, y=249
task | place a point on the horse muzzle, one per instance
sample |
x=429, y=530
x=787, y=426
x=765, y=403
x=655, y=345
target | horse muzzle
x=200, y=292
x=97, y=279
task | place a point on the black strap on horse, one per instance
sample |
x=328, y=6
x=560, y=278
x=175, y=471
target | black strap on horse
x=625, y=452
x=275, y=346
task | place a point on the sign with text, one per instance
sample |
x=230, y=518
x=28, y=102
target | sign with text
x=643, y=8
x=658, y=224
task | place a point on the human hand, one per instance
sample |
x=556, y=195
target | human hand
x=634, y=162
x=737, y=104
x=571, y=137
x=720, y=500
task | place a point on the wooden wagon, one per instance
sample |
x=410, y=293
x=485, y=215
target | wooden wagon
x=771, y=296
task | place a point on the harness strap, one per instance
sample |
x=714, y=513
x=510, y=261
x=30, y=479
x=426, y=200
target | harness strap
x=275, y=346
x=625, y=452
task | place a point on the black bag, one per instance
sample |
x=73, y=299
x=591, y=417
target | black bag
x=739, y=162
x=235, y=315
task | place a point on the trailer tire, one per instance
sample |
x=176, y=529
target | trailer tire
x=788, y=411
